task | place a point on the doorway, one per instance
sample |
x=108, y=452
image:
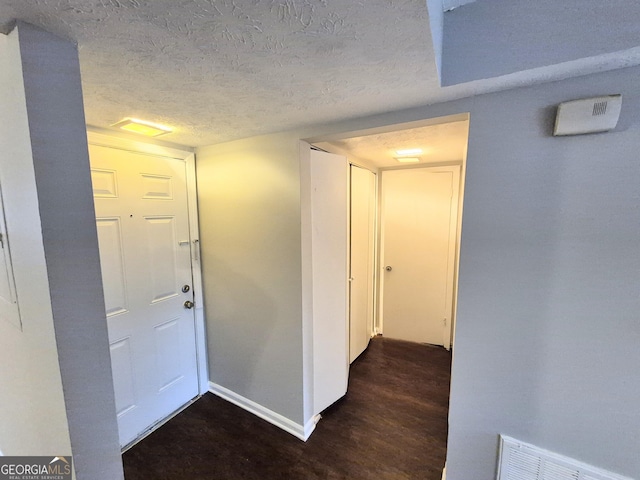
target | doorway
x=439, y=143
x=438, y=146
x=150, y=269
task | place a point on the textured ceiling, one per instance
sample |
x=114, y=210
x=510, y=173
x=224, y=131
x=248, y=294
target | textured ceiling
x=217, y=70
x=443, y=142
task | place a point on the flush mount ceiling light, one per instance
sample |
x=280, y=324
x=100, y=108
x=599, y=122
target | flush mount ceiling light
x=142, y=127
x=409, y=152
x=408, y=159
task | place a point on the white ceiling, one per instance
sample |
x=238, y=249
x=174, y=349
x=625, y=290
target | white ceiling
x=445, y=142
x=218, y=70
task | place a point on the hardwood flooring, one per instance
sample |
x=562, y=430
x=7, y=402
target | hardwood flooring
x=392, y=424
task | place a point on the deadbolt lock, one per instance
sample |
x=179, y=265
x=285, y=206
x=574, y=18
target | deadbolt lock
x=186, y=288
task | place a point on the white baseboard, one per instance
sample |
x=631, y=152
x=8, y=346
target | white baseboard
x=295, y=429
x=444, y=473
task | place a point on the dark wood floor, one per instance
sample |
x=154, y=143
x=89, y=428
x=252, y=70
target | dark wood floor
x=392, y=424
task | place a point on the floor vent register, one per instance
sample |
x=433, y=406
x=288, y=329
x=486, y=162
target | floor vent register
x=521, y=461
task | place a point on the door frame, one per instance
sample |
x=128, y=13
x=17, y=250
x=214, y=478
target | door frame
x=186, y=155
x=371, y=324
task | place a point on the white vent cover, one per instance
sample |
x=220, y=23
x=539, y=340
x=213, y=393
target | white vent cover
x=588, y=115
x=521, y=461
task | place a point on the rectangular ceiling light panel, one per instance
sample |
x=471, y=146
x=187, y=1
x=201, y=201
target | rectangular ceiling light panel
x=142, y=127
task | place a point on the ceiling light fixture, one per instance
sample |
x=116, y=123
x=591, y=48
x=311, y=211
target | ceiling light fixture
x=142, y=127
x=409, y=151
x=408, y=159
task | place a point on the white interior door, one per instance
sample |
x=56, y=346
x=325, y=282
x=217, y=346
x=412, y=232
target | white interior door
x=329, y=210
x=143, y=234
x=362, y=238
x=419, y=227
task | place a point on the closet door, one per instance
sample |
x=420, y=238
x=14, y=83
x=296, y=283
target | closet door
x=329, y=209
x=362, y=238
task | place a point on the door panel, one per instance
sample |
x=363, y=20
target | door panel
x=419, y=225
x=329, y=209
x=123, y=383
x=160, y=245
x=112, y=263
x=157, y=186
x=168, y=350
x=143, y=233
x=362, y=255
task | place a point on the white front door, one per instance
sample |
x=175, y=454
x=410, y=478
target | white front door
x=419, y=228
x=143, y=234
x=362, y=237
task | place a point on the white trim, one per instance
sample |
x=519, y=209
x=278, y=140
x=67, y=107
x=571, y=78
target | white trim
x=187, y=156
x=454, y=235
x=310, y=426
x=295, y=429
x=196, y=272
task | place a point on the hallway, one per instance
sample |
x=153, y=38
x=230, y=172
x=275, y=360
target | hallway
x=391, y=425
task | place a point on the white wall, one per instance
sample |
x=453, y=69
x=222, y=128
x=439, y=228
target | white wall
x=56, y=396
x=547, y=334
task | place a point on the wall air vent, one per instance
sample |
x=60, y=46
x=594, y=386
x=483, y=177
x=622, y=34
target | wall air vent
x=521, y=461
x=600, y=108
x=589, y=115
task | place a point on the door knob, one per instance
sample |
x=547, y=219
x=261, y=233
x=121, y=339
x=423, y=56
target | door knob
x=388, y=268
x=188, y=304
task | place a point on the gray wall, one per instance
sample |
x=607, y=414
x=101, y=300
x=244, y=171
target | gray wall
x=249, y=207
x=547, y=335
x=489, y=38
x=56, y=157
x=32, y=410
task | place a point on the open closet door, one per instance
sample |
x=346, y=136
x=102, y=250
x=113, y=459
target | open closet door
x=362, y=238
x=329, y=209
